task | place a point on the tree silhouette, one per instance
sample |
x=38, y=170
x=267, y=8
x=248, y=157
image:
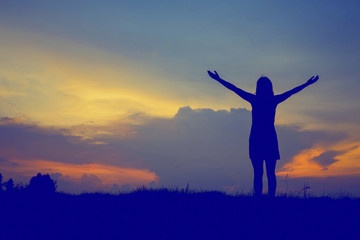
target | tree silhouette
x=9, y=185
x=42, y=184
x=1, y=184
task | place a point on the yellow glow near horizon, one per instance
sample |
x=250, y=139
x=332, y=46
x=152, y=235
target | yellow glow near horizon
x=61, y=83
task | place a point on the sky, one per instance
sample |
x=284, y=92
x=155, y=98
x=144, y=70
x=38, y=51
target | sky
x=113, y=95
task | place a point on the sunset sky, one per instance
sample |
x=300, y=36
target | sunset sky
x=111, y=95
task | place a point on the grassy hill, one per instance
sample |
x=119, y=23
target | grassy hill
x=166, y=214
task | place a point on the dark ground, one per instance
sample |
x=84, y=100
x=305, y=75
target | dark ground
x=163, y=214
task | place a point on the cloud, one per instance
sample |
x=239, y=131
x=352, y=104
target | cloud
x=209, y=149
x=322, y=161
x=28, y=149
x=204, y=148
x=8, y=121
x=25, y=141
x=327, y=158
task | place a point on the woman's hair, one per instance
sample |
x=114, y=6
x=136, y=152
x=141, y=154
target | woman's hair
x=264, y=87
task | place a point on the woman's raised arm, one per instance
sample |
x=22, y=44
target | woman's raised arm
x=282, y=97
x=243, y=94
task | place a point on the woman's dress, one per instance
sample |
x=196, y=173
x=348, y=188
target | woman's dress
x=263, y=143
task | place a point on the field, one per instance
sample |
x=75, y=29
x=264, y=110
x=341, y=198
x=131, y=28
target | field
x=173, y=214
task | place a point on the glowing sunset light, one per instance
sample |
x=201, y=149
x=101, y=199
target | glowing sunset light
x=77, y=86
x=107, y=174
x=301, y=164
x=344, y=162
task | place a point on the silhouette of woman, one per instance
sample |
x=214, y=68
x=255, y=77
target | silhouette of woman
x=263, y=143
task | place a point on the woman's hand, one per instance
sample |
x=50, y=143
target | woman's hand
x=312, y=80
x=214, y=75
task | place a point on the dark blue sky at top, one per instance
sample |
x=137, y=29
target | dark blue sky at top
x=197, y=34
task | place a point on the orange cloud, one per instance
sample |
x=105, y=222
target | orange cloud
x=346, y=162
x=108, y=174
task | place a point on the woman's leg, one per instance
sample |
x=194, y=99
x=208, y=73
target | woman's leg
x=258, y=166
x=270, y=173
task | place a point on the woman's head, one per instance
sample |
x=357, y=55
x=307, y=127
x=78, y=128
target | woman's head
x=264, y=87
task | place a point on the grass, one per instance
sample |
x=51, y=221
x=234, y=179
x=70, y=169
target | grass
x=175, y=214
